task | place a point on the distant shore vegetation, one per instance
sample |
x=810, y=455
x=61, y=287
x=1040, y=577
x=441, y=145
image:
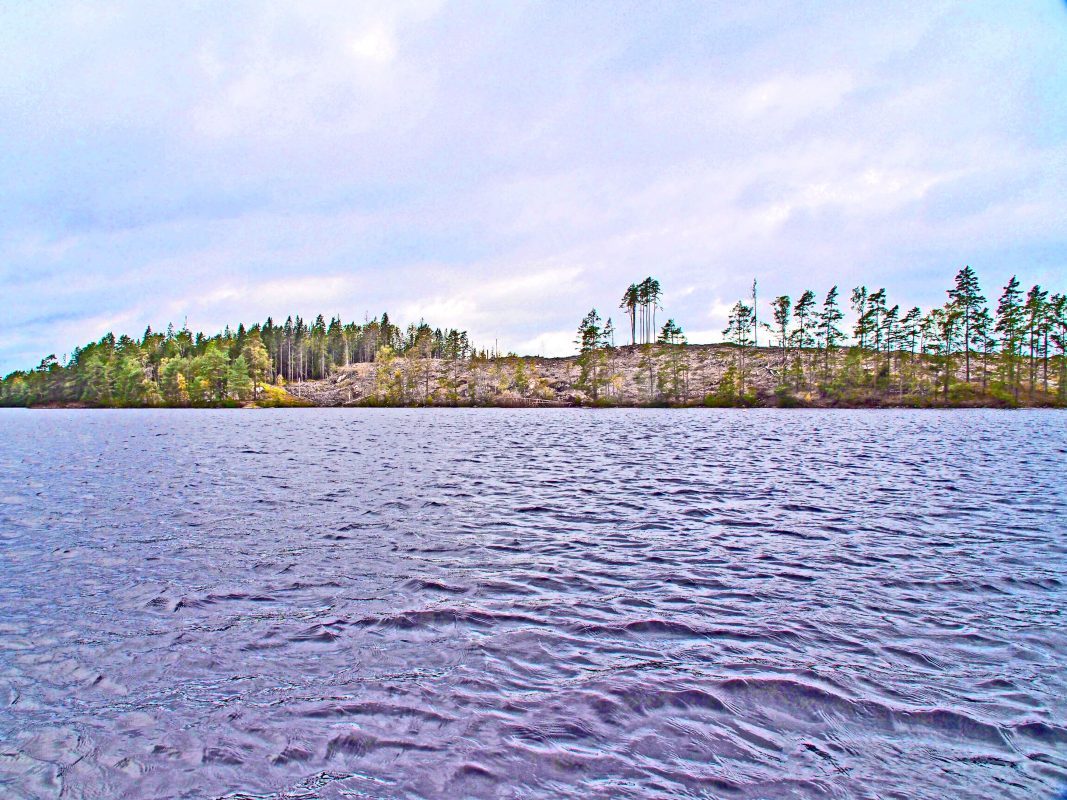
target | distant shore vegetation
x=967, y=352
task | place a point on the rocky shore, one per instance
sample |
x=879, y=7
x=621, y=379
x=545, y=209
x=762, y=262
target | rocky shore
x=633, y=377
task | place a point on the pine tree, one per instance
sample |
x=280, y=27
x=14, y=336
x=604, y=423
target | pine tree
x=1058, y=336
x=890, y=336
x=804, y=313
x=654, y=294
x=630, y=300
x=949, y=330
x=591, y=355
x=1034, y=311
x=829, y=318
x=755, y=315
x=673, y=376
x=1025, y=342
x=876, y=308
x=739, y=332
x=966, y=297
x=644, y=295
x=859, y=308
x=781, y=308
x=982, y=337
x=607, y=342
x=1009, y=324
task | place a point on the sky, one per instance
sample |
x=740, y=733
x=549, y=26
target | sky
x=502, y=167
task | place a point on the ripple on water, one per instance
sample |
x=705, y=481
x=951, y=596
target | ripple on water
x=549, y=604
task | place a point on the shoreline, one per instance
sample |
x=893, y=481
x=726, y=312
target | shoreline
x=541, y=407
x=660, y=376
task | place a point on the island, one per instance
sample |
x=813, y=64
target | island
x=960, y=354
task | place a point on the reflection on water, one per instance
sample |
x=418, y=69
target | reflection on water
x=395, y=604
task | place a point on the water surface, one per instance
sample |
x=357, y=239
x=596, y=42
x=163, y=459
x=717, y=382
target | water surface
x=532, y=604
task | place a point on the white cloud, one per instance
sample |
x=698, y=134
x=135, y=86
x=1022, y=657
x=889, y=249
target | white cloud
x=490, y=307
x=550, y=344
x=376, y=44
x=790, y=98
x=503, y=168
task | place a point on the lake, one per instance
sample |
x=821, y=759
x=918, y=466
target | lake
x=333, y=603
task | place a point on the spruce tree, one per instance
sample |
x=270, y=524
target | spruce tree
x=258, y=361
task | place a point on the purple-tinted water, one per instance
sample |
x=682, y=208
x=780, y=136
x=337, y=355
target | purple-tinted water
x=543, y=604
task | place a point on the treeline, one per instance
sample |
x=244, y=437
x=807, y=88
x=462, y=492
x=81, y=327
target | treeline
x=179, y=368
x=963, y=352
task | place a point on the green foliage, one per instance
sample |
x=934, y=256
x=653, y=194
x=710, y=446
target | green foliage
x=850, y=374
x=257, y=360
x=592, y=355
x=786, y=398
x=276, y=397
x=1003, y=394
x=829, y=318
x=212, y=372
x=520, y=377
x=962, y=353
x=726, y=395
x=672, y=357
x=175, y=374
x=1010, y=324
x=388, y=378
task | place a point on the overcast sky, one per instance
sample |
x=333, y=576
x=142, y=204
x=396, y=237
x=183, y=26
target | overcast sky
x=504, y=166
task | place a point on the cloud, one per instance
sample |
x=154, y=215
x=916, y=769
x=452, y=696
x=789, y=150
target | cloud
x=503, y=168
x=495, y=309
x=376, y=45
x=548, y=343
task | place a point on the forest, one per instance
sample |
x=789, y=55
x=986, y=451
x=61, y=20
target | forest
x=965, y=352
